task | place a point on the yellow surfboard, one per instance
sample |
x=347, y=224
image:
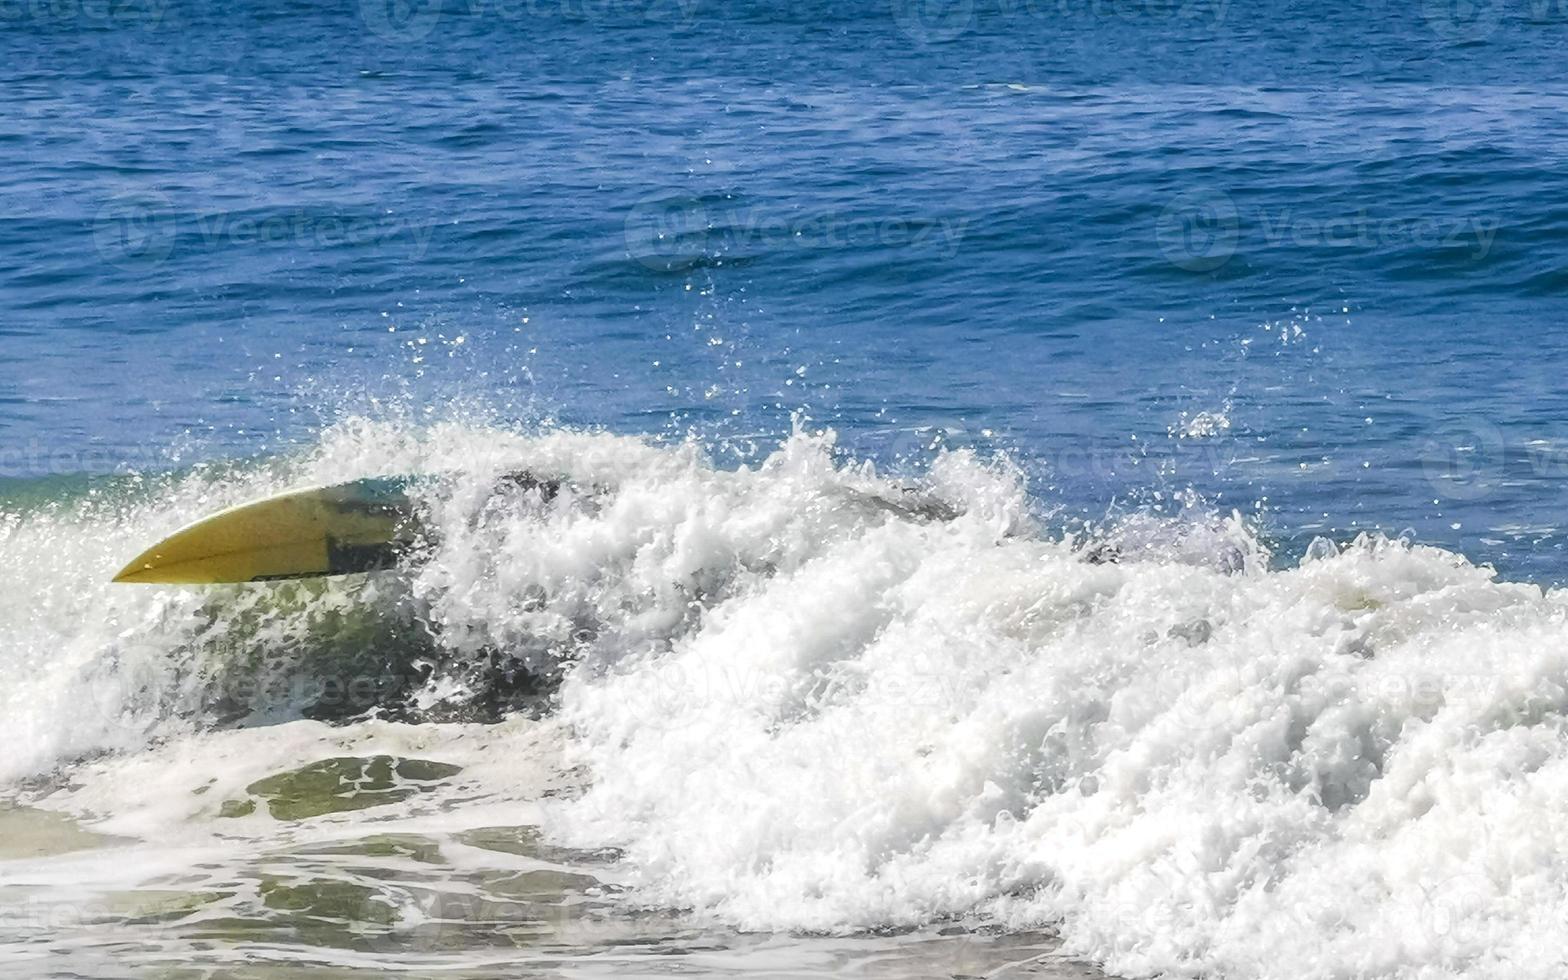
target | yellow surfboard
x=352, y=527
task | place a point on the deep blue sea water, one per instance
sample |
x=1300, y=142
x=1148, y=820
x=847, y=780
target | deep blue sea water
x=1047, y=226
x=1304, y=261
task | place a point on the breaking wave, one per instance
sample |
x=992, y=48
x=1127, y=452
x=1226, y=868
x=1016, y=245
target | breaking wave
x=806, y=695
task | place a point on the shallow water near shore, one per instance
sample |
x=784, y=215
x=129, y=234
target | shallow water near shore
x=245, y=892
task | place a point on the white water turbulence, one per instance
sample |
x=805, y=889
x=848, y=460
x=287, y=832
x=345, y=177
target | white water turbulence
x=802, y=697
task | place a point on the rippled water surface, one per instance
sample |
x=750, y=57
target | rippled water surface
x=975, y=407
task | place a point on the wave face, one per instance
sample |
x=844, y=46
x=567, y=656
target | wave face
x=807, y=696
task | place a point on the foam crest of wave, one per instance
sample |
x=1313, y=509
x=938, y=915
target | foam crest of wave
x=806, y=696
x=1353, y=767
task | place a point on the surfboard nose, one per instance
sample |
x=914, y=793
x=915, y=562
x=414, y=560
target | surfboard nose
x=130, y=572
x=352, y=527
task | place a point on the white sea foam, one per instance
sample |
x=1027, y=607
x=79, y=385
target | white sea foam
x=805, y=699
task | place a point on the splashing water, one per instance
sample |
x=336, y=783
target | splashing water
x=804, y=696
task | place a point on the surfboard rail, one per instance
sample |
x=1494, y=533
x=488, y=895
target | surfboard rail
x=346, y=528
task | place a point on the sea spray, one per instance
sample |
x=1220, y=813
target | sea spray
x=805, y=696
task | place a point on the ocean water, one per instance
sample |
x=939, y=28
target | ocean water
x=1056, y=487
